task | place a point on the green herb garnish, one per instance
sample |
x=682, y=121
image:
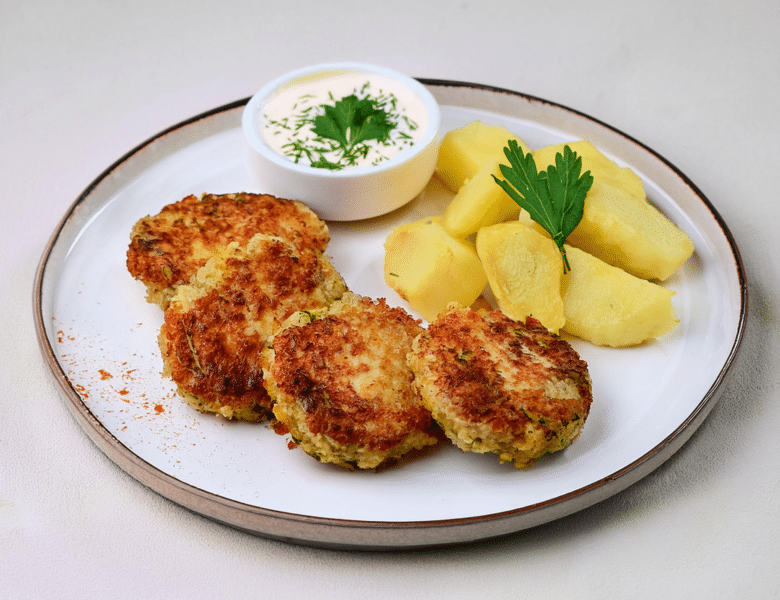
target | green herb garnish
x=351, y=122
x=554, y=198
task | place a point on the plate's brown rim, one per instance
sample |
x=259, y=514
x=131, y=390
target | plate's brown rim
x=331, y=532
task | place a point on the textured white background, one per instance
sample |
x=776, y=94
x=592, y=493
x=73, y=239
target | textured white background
x=82, y=82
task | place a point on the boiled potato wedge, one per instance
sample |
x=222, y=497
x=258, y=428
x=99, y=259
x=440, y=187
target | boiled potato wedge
x=629, y=234
x=602, y=168
x=619, y=225
x=430, y=269
x=524, y=270
x=479, y=203
x=608, y=307
x=465, y=151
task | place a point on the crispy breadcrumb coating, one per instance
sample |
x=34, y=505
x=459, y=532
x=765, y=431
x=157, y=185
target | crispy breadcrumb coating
x=167, y=249
x=216, y=327
x=342, y=386
x=502, y=386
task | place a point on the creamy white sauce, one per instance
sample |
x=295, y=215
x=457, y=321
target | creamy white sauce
x=287, y=119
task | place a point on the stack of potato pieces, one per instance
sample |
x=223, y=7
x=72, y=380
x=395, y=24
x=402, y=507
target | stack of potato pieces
x=619, y=252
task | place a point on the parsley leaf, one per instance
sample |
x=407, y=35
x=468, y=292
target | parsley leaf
x=350, y=122
x=554, y=198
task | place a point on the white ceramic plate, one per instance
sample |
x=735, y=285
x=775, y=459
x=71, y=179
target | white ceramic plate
x=98, y=336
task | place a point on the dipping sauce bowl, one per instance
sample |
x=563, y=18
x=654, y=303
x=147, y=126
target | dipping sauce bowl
x=350, y=140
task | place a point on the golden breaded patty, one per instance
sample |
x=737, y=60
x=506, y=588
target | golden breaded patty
x=166, y=249
x=342, y=387
x=216, y=326
x=498, y=385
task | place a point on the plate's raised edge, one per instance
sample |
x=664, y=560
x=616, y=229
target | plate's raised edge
x=342, y=533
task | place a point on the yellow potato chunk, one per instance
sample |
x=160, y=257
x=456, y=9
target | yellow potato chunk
x=629, y=234
x=524, y=270
x=619, y=225
x=608, y=307
x=465, y=151
x=479, y=203
x=602, y=168
x=430, y=269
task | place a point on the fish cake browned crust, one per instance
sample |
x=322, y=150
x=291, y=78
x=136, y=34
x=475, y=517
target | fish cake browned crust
x=342, y=387
x=216, y=326
x=498, y=385
x=166, y=249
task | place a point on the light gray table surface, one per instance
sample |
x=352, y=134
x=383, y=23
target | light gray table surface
x=82, y=82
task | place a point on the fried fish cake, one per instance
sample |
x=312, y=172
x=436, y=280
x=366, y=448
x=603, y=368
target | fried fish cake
x=502, y=386
x=167, y=249
x=342, y=387
x=216, y=326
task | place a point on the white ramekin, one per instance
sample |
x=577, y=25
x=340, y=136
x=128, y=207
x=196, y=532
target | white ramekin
x=352, y=193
